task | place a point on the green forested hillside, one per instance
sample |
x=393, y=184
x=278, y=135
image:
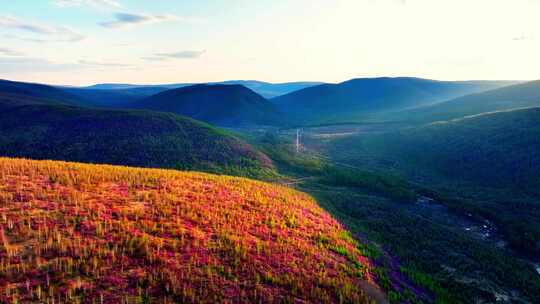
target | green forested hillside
x=10, y=100
x=497, y=149
x=134, y=138
x=488, y=164
x=459, y=247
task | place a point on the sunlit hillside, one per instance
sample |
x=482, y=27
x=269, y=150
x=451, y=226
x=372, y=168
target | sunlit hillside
x=74, y=233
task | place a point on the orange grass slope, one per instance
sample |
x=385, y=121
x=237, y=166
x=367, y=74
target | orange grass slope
x=77, y=233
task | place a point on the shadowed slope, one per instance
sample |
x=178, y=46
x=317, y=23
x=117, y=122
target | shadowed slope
x=37, y=91
x=224, y=105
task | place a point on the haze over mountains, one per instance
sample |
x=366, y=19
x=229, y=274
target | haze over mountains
x=523, y=95
x=359, y=98
x=265, y=89
x=227, y=105
x=351, y=101
x=111, y=98
x=72, y=95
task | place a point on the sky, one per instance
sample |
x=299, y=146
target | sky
x=82, y=42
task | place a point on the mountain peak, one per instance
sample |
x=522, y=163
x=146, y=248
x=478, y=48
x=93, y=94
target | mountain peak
x=225, y=105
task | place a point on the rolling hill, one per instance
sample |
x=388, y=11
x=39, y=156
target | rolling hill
x=34, y=91
x=522, y=95
x=46, y=94
x=361, y=98
x=102, y=234
x=223, y=105
x=124, y=95
x=265, y=89
x=493, y=149
x=135, y=138
x=271, y=90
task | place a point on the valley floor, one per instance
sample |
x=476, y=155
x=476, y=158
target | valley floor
x=427, y=250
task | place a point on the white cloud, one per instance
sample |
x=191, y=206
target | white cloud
x=18, y=65
x=103, y=64
x=125, y=20
x=23, y=65
x=10, y=52
x=102, y=3
x=523, y=38
x=180, y=55
x=53, y=33
x=151, y=58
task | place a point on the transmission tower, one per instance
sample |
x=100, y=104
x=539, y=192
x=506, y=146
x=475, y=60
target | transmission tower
x=297, y=140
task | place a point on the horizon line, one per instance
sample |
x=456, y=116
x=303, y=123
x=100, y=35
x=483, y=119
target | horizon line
x=254, y=80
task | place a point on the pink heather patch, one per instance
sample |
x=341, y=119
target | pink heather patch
x=84, y=233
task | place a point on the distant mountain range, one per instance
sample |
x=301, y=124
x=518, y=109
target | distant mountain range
x=234, y=104
x=72, y=95
x=223, y=105
x=120, y=98
x=265, y=89
x=35, y=91
x=358, y=99
x=521, y=95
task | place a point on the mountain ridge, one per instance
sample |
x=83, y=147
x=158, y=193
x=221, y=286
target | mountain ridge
x=224, y=105
x=358, y=99
x=520, y=95
x=265, y=89
x=37, y=90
